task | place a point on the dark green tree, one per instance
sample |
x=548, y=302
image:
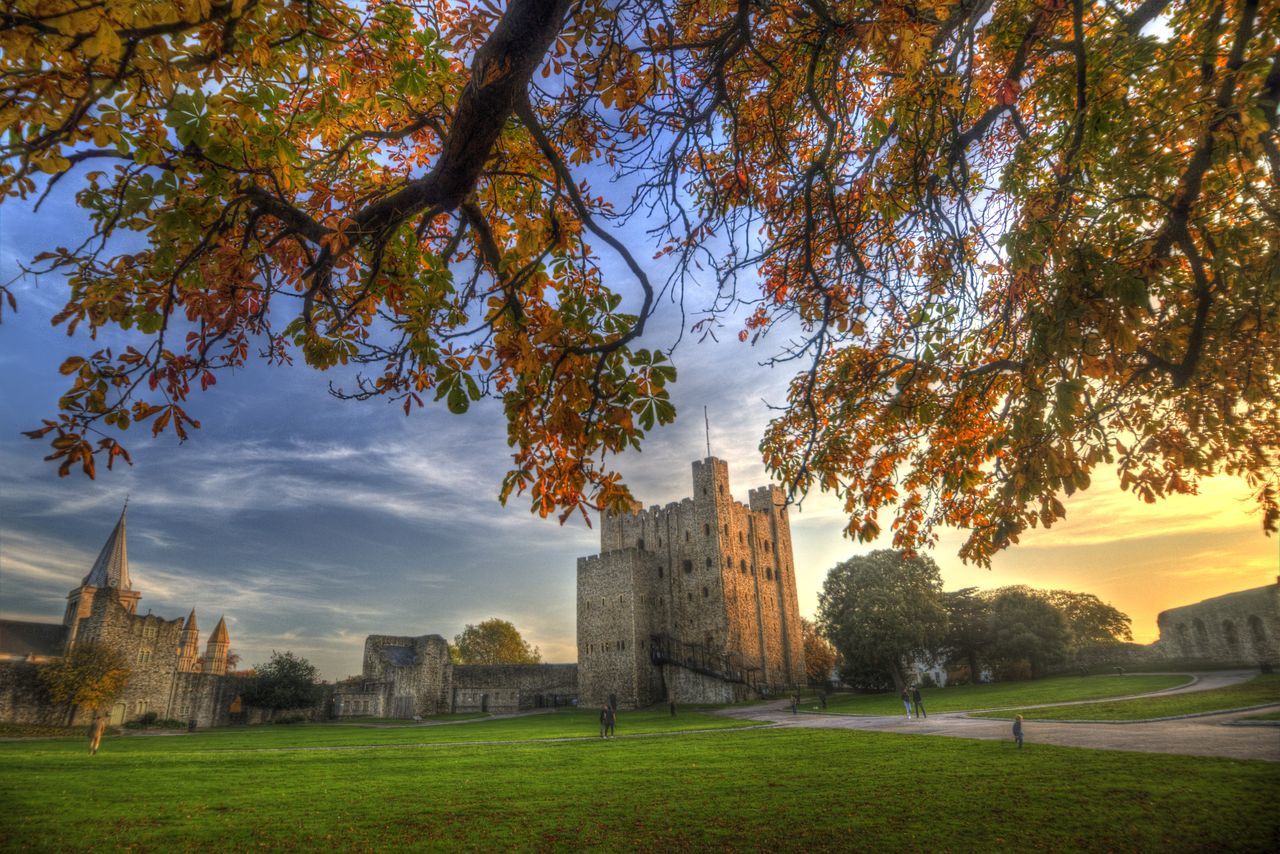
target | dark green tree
x=1094, y=625
x=287, y=681
x=1025, y=626
x=968, y=628
x=880, y=610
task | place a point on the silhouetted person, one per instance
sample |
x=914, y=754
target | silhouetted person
x=918, y=701
x=673, y=708
x=1017, y=730
x=906, y=702
x=822, y=698
x=795, y=703
x=606, y=714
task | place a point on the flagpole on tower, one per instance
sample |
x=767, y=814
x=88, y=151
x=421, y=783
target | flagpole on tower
x=707, y=421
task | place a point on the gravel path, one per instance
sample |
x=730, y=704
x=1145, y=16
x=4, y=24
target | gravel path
x=1207, y=735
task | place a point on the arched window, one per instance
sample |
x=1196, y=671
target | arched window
x=1202, y=636
x=1257, y=631
x=708, y=563
x=706, y=530
x=743, y=565
x=1232, y=636
x=688, y=566
x=768, y=573
x=705, y=593
x=726, y=529
x=659, y=570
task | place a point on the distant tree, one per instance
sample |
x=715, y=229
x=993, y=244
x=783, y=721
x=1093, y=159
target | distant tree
x=968, y=628
x=495, y=641
x=880, y=610
x=286, y=681
x=1025, y=625
x=819, y=654
x=233, y=660
x=454, y=656
x=1091, y=622
x=90, y=676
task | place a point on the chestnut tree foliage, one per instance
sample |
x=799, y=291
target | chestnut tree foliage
x=1000, y=242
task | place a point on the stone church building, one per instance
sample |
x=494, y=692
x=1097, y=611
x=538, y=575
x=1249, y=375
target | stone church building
x=168, y=675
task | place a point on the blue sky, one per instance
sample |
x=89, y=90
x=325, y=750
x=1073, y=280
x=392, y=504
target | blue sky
x=311, y=522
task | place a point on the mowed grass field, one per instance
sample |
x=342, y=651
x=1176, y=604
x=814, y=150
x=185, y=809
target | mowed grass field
x=1058, y=689
x=761, y=789
x=1262, y=689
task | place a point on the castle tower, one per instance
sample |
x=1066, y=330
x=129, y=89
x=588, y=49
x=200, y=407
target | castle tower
x=189, y=646
x=110, y=570
x=215, y=652
x=695, y=600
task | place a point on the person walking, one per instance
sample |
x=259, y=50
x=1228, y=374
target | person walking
x=606, y=715
x=673, y=707
x=822, y=698
x=906, y=702
x=795, y=704
x=918, y=701
x=95, y=732
x=1017, y=730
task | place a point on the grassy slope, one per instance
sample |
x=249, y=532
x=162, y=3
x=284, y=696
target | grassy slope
x=1000, y=694
x=563, y=724
x=760, y=789
x=1262, y=689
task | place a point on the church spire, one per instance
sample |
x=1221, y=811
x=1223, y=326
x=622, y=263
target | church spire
x=215, y=651
x=189, y=646
x=111, y=569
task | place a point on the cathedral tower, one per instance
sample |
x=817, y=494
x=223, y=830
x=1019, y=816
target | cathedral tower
x=215, y=652
x=110, y=570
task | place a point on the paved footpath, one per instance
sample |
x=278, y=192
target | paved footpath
x=1210, y=735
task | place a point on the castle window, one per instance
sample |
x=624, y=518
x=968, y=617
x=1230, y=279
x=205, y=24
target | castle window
x=768, y=573
x=149, y=632
x=688, y=566
x=140, y=708
x=726, y=529
x=660, y=601
x=742, y=537
x=722, y=489
x=686, y=536
x=708, y=563
x=1256, y=629
x=659, y=570
x=144, y=656
x=743, y=565
x=705, y=593
x=640, y=543
x=706, y=530
x=690, y=597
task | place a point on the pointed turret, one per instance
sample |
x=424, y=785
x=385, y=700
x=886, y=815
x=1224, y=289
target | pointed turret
x=215, y=652
x=189, y=647
x=110, y=571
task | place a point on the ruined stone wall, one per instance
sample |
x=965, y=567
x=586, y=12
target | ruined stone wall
x=148, y=645
x=513, y=687
x=416, y=672
x=1242, y=627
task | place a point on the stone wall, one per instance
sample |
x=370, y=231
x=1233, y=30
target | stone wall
x=23, y=700
x=1242, y=627
x=513, y=687
x=206, y=698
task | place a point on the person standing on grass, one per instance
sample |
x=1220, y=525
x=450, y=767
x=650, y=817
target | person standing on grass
x=95, y=732
x=906, y=702
x=611, y=718
x=605, y=714
x=673, y=707
x=918, y=701
x=822, y=698
x=1017, y=730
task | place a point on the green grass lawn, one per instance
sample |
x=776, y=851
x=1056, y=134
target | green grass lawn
x=996, y=695
x=1261, y=689
x=758, y=789
x=580, y=723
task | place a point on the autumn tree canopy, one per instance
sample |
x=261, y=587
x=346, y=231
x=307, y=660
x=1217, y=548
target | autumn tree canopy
x=1000, y=242
x=494, y=641
x=90, y=676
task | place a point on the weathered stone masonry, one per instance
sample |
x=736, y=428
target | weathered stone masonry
x=695, y=601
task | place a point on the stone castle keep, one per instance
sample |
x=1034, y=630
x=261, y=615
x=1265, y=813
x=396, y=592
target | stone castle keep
x=694, y=601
